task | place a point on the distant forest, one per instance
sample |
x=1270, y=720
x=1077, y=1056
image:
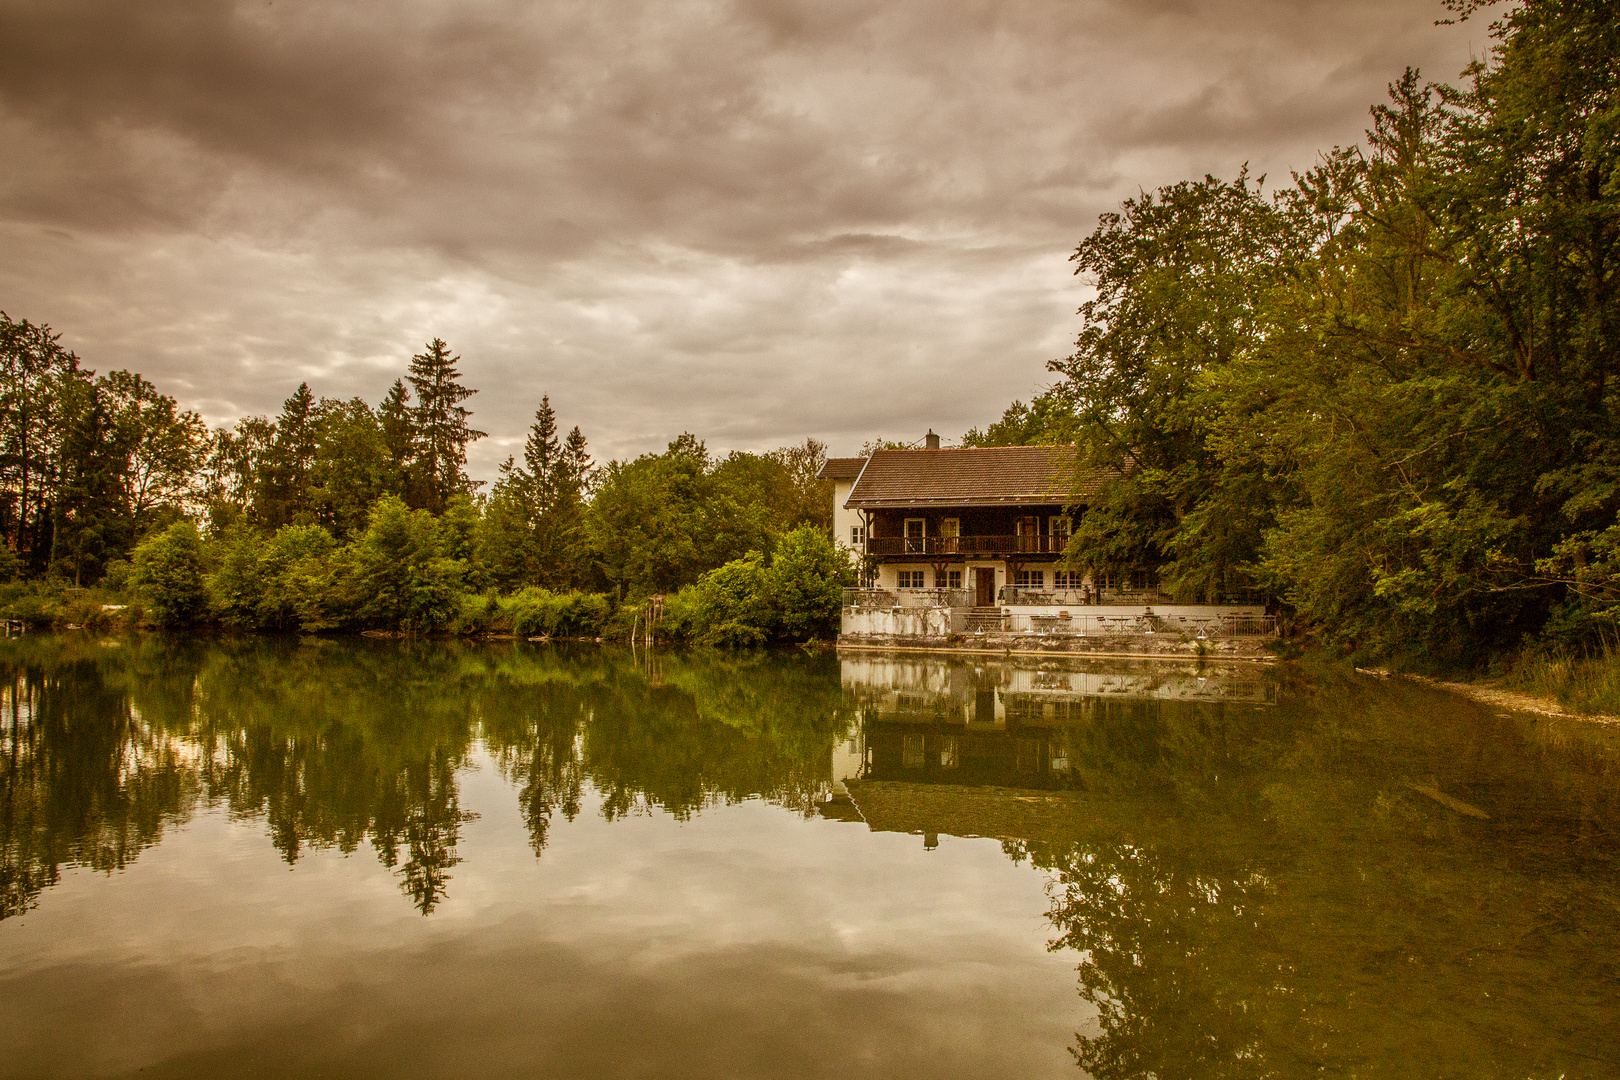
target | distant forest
x=1381, y=394
x=337, y=515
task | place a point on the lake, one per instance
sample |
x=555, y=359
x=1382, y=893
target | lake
x=358, y=858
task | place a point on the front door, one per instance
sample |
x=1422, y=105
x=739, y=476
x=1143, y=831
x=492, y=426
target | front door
x=984, y=586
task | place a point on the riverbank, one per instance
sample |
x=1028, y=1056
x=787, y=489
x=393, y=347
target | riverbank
x=1489, y=693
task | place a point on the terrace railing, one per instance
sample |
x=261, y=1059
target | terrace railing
x=1198, y=627
x=908, y=598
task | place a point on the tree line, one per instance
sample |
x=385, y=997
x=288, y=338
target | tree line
x=335, y=514
x=1383, y=392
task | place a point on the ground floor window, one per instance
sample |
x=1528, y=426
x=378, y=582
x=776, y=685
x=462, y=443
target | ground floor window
x=1029, y=579
x=948, y=579
x=1068, y=579
x=912, y=579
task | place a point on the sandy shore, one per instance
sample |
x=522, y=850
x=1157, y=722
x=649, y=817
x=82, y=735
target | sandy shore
x=1515, y=699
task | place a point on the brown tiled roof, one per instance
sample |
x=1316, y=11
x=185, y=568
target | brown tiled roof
x=841, y=468
x=972, y=476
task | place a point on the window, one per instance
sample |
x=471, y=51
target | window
x=1029, y=579
x=857, y=536
x=911, y=751
x=950, y=531
x=1058, y=525
x=947, y=579
x=912, y=579
x=949, y=749
x=916, y=532
x=1068, y=579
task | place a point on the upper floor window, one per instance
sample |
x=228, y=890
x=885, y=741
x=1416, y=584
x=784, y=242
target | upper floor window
x=916, y=531
x=857, y=536
x=1059, y=525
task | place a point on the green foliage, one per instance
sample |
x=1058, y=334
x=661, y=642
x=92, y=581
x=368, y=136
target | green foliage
x=439, y=427
x=805, y=584
x=170, y=574
x=1048, y=420
x=1382, y=393
x=747, y=601
x=732, y=604
x=538, y=612
x=404, y=569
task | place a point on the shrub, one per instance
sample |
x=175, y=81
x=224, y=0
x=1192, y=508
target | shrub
x=569, y=614
x=732, y=607
x=402, y=572
x=170, y=572
x=805, y=584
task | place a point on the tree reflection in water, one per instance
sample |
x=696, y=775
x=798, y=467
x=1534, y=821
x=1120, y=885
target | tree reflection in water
x=1258, y=874
x=1262, y=882
x=334, y=744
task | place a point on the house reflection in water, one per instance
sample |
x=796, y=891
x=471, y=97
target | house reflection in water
x=990, y=726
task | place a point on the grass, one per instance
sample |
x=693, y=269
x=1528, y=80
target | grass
x=1585, y=683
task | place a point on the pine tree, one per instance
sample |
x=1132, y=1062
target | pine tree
x=441, y=429
x=541, y=453
x=399, y=437
x=285, y=497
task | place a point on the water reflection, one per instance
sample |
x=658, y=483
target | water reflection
x=1269, y=876
x=1255, y=873
x=338, y=744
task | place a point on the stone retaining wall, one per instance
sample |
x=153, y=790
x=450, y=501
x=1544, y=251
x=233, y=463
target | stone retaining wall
x=1133, y=644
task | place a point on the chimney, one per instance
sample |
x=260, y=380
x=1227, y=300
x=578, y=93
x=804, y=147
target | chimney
x=931, y=440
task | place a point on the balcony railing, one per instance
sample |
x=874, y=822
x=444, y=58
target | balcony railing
x=966, y=545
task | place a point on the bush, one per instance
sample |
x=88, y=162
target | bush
x=746, y=602
x=402, y=572
x=569, y=614
x=732, y=606
x=170, y=571
x=805, y=584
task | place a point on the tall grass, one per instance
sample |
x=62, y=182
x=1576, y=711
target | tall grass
x=1584, y=682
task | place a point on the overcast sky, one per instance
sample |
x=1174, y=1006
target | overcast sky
x=756, y=220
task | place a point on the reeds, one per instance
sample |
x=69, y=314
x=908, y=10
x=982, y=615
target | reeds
x=1584, y=681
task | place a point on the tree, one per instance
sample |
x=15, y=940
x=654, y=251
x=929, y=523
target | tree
x=352, y=467
x=160, y=446
x=1048, y=420
x=89, y=523
x=440, y=425
x=36, y=377
x=1183, y=279
x=397, y=420
x=403, y=569
x=170, y=570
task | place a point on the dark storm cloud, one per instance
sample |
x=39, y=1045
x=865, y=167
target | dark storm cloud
x=756, y=219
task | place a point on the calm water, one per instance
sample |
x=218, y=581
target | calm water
x=269, y=858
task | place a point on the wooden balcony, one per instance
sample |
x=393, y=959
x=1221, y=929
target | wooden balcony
x=924, y=546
